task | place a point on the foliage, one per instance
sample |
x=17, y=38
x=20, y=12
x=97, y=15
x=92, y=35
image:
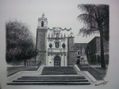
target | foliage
x=19, y=41
x=96, y=18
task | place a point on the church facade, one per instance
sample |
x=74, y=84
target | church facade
x=55, y=45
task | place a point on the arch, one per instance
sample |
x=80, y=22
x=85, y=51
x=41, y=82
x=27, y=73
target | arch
x=42, y=23
x=57, y=61
x=78, y=60
x=63, y=45
x=50, y=45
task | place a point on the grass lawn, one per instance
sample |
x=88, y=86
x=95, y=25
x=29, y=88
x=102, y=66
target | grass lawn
x=13, y=70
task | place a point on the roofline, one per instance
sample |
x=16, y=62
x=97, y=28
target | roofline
x=94, y=38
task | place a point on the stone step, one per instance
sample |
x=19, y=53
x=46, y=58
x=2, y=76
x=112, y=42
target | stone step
x=69, y=80
x=49, y=83
x=48, y=77
x=56, y=80
x=51, y=77
x=50, y=80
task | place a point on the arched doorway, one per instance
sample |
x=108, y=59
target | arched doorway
x=42, y=24
x=78, y=60
x=57, y=61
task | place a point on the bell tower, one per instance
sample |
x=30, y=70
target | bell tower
x=42, y=22
x=41, y=39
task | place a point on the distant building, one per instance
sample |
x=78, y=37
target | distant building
x=56, y=45
x=80, y=54
x=93, y=51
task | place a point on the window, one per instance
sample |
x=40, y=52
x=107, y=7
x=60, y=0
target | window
x=50, y=45
x=63, y=45
x=78, y=52
x=42, y=24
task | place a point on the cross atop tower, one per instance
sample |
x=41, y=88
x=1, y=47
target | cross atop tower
x=43, y=15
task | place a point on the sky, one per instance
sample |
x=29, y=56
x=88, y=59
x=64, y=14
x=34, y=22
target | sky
x=60, y=13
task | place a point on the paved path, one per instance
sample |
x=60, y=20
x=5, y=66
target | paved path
x=13, y=70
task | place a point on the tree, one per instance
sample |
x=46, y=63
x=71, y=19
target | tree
x=96, y=18
x=20, y=46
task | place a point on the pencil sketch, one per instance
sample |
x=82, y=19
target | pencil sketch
x=53, y=58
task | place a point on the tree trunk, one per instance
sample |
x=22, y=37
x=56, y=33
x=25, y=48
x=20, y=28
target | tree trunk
x=103, y=64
